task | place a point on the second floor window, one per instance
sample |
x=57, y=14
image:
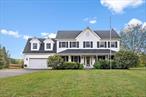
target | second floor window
x=63, y=44
x=34, y=46
x=114, y=44
x=102, y=44
x=87, y=44
x=74, y=44
x=48, y=45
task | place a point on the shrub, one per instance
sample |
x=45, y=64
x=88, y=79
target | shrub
x=126, y=59
x=80, y=66
x=97, y=65
x=102, y=64
x=69, y=65
x=55, y=61
x=142, y=60
x=105, y=64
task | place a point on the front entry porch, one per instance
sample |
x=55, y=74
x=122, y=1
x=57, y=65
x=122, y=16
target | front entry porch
x=87, y=60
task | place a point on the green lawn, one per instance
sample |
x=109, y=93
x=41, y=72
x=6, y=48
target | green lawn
x=76, y=83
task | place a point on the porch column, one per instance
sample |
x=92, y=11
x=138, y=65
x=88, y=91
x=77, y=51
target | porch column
x=82, y=59
x=96, y=58
x=69, y=58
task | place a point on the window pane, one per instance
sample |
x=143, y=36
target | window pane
x=102, y=44
x=34, y=45
x=63, y=44
x=88, y=44
x=48, y=45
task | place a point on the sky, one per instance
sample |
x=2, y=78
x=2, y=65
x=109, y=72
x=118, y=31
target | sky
x=21, y=19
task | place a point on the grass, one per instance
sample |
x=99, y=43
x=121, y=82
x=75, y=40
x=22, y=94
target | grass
x=76, y=83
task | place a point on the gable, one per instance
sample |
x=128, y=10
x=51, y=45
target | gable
x=87, y=35
x=73, y=34
x=48, y=40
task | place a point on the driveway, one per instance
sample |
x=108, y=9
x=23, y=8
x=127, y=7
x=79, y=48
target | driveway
x=14, y=72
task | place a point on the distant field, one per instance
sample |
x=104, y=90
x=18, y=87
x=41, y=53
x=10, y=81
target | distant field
x=76, y=83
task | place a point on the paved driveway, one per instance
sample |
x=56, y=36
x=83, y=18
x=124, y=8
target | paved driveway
x=14, y=72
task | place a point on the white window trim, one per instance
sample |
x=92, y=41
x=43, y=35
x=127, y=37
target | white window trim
x=46, y=49
x=38, y=45
x=104, y=44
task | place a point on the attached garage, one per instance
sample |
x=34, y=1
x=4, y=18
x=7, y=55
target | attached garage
x=37, y=63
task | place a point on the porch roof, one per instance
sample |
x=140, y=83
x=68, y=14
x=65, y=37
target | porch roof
x=86, y=52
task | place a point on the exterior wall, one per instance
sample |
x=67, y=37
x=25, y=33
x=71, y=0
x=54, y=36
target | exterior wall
x=87, y=35
x=94, y=44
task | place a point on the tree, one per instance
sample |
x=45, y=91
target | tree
x=4, y=57
x=126, y=59
x=133, y=38
x=143, y=59
x=55, y=61
x=1, y=59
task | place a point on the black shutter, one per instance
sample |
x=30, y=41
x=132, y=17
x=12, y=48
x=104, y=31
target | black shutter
x=108, y=44
x=70, y=44
x=67, y=44
x=77, y=44
x=105, y=45
x=116, y=44
x=84, y=44
x=59, y=44
x=97, y=44
x=91, y=44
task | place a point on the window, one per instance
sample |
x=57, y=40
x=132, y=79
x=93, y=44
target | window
x=87, y=44
x=65, y=58
x=63, y=44
x=34, y=45
x=102, y=44
x=75, y=59
x=74, y=44
x=48, y=45
x=114, y=44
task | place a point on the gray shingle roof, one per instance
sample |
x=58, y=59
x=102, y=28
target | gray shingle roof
x=87, y=51
x=27, y=48
x=103, y=34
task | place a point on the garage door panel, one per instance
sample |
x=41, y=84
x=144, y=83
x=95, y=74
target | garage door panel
x=38, y=63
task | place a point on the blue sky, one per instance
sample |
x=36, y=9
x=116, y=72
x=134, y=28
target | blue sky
x=20, y=19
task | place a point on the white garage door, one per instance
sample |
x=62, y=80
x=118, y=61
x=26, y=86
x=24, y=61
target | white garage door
x=38, y=63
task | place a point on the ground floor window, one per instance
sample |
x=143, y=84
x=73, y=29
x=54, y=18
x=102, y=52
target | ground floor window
x=75, y=59
x=65, y=58
x=101, y=57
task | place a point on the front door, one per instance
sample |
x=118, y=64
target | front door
x=88, y=61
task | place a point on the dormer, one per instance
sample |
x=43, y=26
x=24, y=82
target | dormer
x=48, y=44
x=35, y=44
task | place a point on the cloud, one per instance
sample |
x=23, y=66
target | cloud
x=46, y=35
x=90, y=20
x=26, y=37
x=14, y=34
x=118, y=6
x=135, y=22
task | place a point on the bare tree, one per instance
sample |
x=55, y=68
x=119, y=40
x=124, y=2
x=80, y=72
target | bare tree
x=133, y=38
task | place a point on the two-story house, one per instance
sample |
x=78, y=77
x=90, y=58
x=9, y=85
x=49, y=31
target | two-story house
x=86, y=47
